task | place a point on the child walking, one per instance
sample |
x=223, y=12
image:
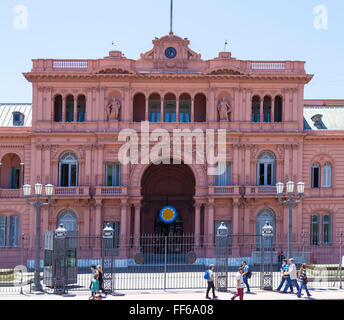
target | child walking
x=95, y=287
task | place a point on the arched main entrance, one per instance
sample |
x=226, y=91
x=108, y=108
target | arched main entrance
x=167, y=184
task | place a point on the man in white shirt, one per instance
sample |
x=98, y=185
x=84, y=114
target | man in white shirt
x=292, y=277
x=240, y=285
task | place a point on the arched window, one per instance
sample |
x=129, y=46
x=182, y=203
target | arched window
x=184, y=108
x=327, y=175
x=255, y=108
x=315, y=175
x=267, y=109
x=68, y=170
x=139, y=104
x=265, y=215
x=266, y=169
x=68, y=219
x=278, y=109
x=315, y=229
x=70, y=108
x=327, y=229
x=170, y=108
x=154, y=107
x=58, y=108
x=81, y=109
x=11, y=172
x=200, y=108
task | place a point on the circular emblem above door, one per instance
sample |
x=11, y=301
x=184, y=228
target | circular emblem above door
x=170, y=52
x=168, y=214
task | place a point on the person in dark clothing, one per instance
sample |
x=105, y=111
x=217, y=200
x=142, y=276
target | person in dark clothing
x=101, y=282
x=211, y=280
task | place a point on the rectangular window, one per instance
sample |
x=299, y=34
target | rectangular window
x=223, y=178
x=13, y=235
x=261, y=174
x=14, y=178
x=64, y=175
x=113, y=174
x=73, y=175
x=2, y=231
x=326, y=229
x=154, y=111
x=315, y=229
x=170, y=111
x=316, y=177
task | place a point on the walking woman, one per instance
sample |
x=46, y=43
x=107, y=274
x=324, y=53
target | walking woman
x=303, y=279
x=101, y=273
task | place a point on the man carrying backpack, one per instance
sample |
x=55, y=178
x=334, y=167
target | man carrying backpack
x=209, y=276
x=246, y=275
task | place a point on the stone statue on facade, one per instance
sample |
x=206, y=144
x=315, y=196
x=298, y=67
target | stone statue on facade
x=113, y=108
x=224, y=109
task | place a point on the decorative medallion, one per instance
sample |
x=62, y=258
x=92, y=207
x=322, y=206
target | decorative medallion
x=168, y=214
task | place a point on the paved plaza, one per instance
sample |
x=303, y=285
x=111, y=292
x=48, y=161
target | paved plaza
x=197, y=295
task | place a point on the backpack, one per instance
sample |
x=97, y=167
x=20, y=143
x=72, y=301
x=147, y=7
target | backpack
x=206, y=275
x=249, y=273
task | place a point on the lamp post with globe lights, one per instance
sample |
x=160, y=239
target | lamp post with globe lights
x=49, y=188
x=290, y=200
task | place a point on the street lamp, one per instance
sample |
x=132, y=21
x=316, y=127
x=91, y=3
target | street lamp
x=37, y=204
x=222, y=258
x=267, y=233
x=290, y=201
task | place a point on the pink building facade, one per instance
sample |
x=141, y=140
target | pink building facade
x=70, y=137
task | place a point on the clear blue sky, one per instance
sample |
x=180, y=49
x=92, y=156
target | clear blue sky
x=266, y=29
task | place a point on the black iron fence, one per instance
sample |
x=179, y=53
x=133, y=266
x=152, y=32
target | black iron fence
x=154, y=261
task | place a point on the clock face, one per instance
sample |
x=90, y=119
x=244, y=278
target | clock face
x=170, y=52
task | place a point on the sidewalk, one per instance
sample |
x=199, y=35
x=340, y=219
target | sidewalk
x=178, y=295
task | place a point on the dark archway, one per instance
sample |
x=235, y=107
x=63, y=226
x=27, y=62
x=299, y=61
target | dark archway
x=167, y=184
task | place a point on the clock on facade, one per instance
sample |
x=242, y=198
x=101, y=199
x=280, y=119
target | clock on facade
x=170, y=52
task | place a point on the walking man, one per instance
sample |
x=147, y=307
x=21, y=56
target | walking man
x=211, y=280
x=239, y=284
x=285, y=276
x=292, y=277
x=246, y=275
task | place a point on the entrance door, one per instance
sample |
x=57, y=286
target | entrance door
x=163, y=185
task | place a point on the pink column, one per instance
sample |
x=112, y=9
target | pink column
x=261, y=109
x=197, y=223
x=192, y=109
x=137, y=225
x=161, y=109
x=75, y=109
x=146, y=109
x=235, y=224
x=235, y=164
x=98, y=224
x=272, y=110
x=177, y=110
x=64, y=109
x=123, y=231
x=211, y=221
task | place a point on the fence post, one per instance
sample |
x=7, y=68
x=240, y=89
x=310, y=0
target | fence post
x=22, y=263
x=341, y=258
x=303, y=234
x=165, y=261
x=261, y=262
